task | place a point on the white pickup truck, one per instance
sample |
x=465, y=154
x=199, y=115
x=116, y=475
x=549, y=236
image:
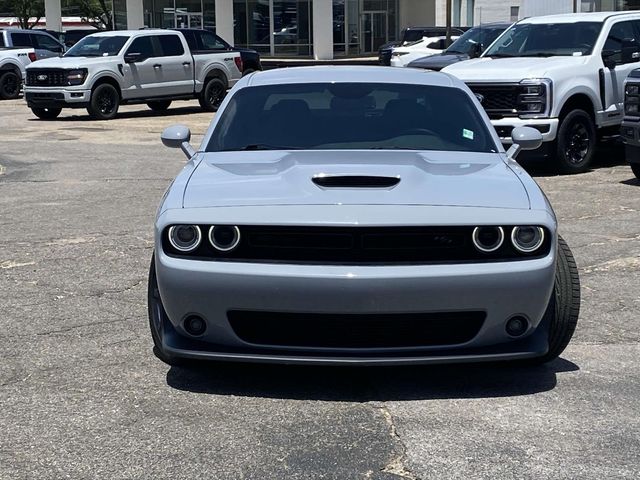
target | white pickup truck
x=13, y=63
x=109, y=69
x=561, y=74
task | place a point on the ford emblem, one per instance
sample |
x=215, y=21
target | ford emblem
x=42, y=78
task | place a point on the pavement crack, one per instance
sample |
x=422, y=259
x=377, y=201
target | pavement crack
x=396, y=465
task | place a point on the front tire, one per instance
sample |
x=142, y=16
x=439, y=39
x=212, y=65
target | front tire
x=564, y=306
x=46, y=113
x=157, y=316
x=159, y=105
x=212, y=95
x=9, y=86
x=635, y=168
x=576, y=142
x=104, y=103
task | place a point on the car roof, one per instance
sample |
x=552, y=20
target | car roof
x=576, y=17
x=352, y=74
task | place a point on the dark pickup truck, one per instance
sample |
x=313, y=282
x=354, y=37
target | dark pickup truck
x=206, y=41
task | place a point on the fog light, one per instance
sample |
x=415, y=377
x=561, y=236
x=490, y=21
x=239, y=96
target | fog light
x=488, y=239
x=224, y=237
x=527, y=239
x=185, y=238
x=516, y=326
x=195, y=325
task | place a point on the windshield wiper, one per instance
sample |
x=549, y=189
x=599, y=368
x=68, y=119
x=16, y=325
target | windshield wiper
x=537, y=54
x=500, y=55
x=391, y=147
x=260, y=146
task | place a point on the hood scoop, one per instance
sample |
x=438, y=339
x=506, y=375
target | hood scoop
x=355, y=181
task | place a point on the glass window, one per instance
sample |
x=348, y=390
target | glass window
x=291, y=27
x=240, y=23
x=546, y=40
x=47, y=43
x=97, y=46
x=351, y=116
x=209, y=41
x=21, y=40
x=338, y=26
x=171, y=45
x=120, y=14
x=1, y=40
x=619, y=32
x=485, y=36
x=515, y=13
x=143, y=46
x=209, y=11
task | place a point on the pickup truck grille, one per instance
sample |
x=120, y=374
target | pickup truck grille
x=497, y=100
x=49, y=77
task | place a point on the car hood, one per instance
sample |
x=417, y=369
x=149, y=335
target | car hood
x=71, y=62
x=287, y=178
x=511, y=69
x=438, y=62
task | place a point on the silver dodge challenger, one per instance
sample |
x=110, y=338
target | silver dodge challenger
x=357, y=215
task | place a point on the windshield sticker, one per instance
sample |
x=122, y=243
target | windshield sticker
x=577, y=54
x=467, y=134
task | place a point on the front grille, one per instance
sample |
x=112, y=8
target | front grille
x=355, y=330
x=354, y=245
x=497, y=100
x=46, y=77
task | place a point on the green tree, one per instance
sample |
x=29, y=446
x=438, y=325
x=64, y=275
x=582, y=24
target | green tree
x=25, y=10
x=98, y=13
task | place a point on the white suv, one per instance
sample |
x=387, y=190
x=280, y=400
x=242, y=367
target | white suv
x=561, y=74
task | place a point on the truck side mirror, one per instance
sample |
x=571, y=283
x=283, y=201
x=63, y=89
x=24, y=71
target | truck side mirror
x=178, y=136
x=132, y=57
x=475, y=50
x=608, y=60
x=630, y=51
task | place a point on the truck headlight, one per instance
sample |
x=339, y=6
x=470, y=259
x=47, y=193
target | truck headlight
x=77, y=76
x=534, y=98
x=632, y=100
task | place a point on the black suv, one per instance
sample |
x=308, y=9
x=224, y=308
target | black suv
x=206, y=41
x=413, y=34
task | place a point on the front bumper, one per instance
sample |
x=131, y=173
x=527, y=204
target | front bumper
x=56, y=97
x=211, y=289
x=548, y=127
x=630, y=131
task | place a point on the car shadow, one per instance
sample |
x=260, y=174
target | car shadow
x=143, y=113
x=364, y=384
x=635, y=182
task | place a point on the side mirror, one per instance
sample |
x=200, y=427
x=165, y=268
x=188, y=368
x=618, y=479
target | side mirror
x=178, y=136
x=608, y=60
x=132, y=57
x=475, y=50
x=524, y=138
x=630, y=51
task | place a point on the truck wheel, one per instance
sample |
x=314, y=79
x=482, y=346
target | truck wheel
x=159, y=105
x=564, y=306
x=212, y=95
x=9, y=86
x=576, y=142
x=635, y=168
x=46, y=113
x=104, y=103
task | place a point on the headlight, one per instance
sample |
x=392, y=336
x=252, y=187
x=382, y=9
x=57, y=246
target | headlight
x=185, y=238
x=488, y=239
x=527, y=239
x=224, y=238
x=76, y=77
x=632, y=100
x=534, y=98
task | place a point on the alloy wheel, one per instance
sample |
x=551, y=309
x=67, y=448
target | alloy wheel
x=577, y=145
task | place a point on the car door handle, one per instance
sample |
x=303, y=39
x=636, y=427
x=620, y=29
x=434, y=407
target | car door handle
x=157, y=65
x=186, y=64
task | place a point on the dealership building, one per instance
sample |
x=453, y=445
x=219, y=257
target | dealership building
x=324, y=29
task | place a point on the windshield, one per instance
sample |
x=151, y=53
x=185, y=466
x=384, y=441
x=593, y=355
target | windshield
x=546, y=40
x=485, y=36
x=340, y=116
x=97, y=46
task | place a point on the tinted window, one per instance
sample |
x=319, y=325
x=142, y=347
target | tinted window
x=171, y=45
x=351, y=116
x=482, y=35
x=210, y=42
x=437, y=45
x=47, y=43
x=21, y=40
x=190, y=37
x=97, y=46
x=143, y=46
x=619, y=32
x=1, y=40
x=546, y=40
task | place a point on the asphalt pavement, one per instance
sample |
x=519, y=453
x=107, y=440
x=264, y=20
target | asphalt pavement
x=82, y=396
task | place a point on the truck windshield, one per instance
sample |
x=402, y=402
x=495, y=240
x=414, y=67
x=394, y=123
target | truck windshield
x=97, y=46
x=482, y=35
x=339, y=116
x=546, y=40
